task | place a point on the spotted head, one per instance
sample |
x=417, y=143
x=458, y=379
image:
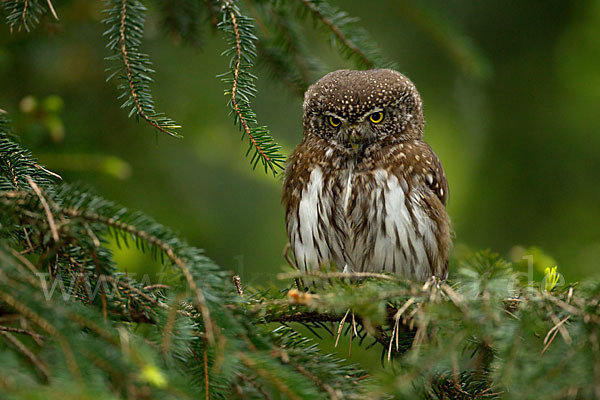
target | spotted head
x=354, y=108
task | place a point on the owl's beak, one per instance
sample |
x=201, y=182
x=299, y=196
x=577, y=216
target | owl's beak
x=355, y=140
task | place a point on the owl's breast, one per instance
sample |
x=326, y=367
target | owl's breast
x=362, y=221
x=315, y=226
x=386, y=226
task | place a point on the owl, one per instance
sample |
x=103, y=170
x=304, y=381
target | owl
x=363, y=191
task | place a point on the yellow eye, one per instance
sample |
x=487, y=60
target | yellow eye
x=376, y=117
x=335, y=122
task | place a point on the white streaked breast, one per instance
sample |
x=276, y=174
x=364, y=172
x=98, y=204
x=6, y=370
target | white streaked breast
x=305, y=250
x=399, y=247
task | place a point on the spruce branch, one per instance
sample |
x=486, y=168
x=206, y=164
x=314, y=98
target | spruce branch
x=45, y=325
x=16, y=163
x=284, y=52
x=23, y=14
x=166, y=249
x=281, y=46
x=239, y=29
x=268, y=373
x=353, y=41
x=46, y=207
x=126, y=20
x=96, y=298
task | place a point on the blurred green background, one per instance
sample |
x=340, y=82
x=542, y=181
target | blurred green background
x=512, y=102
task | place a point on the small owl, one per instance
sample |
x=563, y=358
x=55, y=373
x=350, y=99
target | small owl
x=363, y=190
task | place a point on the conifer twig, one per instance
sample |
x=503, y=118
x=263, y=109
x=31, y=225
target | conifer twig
x=46, y=326
x=330, y=391
x=126, y=20
x=396, y=327
x=13, y=175
x=24, y=261
x=51, y=7
x=27, y=353
x=337, y=275
x=236, y=76
x=555, y=330
x=250, y=363
x=36, y=336
x=339, y=34
x=54, y=174
x=206, y=379
x=137, y=291
x=132, y=89
x=165, y=248
x=44, y=203
x=23, y=14
x=256, y=386
x=340, y=327
x=234, y=89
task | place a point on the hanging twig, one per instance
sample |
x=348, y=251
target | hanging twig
x=271, y=163
x=339, y=34
x=340, y=327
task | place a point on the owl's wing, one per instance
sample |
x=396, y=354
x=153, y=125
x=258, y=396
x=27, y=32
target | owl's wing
x=436, y=179
x=417, y=163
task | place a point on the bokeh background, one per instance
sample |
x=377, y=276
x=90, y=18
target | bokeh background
x=512, y=102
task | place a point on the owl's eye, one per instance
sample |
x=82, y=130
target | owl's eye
x=335, y=122
x=376, y=117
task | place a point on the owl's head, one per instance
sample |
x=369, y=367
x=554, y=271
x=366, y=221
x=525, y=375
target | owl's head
x=354, y=108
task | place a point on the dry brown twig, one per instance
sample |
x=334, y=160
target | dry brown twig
x=340, y=327
x=51, y=7
x=396, y=328
x=336, y=275
x=38, y=338
x=237, y=281
x=46, y=207
x=555, y=330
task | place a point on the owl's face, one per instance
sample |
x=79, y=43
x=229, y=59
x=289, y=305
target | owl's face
x=353, y=109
